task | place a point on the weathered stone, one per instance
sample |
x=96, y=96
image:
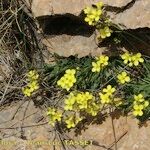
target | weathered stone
x=138, y=16
x=135, y=15
x=53, y=7
x=41, y=7
x=67, y=45
x=128, y=133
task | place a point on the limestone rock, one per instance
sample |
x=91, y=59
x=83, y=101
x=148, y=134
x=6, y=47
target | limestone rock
x=132, y=14
x=67, y=45
x=138, y=16
x=129, y=134
x=137, y=137
x=48, y=7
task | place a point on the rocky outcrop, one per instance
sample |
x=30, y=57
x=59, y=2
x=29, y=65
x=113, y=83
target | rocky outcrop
x=131, y=14
x=137, y=16
x=53, y=7
x=32, y=132
x=67, y=45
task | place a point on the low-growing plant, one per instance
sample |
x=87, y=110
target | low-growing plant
x=91, y=86
x=98, y=84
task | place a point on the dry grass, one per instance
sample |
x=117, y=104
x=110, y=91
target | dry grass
x=19, y=48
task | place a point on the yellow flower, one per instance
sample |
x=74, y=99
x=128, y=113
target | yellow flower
x=92, y=15
x=33, y=86
x=27, y=91
x=139, y=98
x=89, y=20
x=138, y=110
x=103, y=60
x=68, y=80
x=105, y=99
x=105, y=32
x=57, y=116
x=78, y=101
x=131, y=59
x=123, y=77
x=69, y=103
x=51, y=111
x=96, y=14
x=33, y=83
x=70, y=72
x=52, y=123
x=83, y=105
x=71, y=79
x=127, y=58
x=139, y=104
x=99, y=5
x=79, y=97
x=82, y=99
x=93, y=108
x=54, y=115
x=61, y=82
x=146, y=103
x=96, y=67
x=87, y=10
x=137, y=59
x=70, y=122
x=32, y=75
x=88, y=95
x=109, y=90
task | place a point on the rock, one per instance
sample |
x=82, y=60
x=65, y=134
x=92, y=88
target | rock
x=41, y=8
x=52, y=14
x=53, y=7
x=129, y=134
x=101, y=135
x=67, y=45
x=138, y=16
x=137, y=137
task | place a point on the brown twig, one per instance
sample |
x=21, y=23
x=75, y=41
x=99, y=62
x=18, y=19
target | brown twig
x=113, y=128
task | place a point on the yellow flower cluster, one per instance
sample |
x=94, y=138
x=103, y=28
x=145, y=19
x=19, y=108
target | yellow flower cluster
x=54, y=115
x=32, y=85
x=93, y=14
x=72, y=121
x=105, y=32
x=68, y=80
x=107, y=94
x=132, y=59
x=139, y=105
x=100, y=63
x=93, y=108
x=123, y=77
x=82, y=101
x=78, y=101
